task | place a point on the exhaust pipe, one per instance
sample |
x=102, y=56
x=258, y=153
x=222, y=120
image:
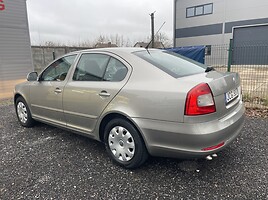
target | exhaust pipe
x=210, y=157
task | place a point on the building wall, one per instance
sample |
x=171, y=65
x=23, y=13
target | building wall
x=215, y=28
x=15, y=49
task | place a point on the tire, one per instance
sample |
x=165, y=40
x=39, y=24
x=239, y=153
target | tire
x=23, y=113
x=124, y=144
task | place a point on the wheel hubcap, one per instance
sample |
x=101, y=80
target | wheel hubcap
x=121, y=143
x=22, y=112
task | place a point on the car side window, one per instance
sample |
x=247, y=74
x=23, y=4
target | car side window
x=91, y=67
x=115, y=71
x=58, y=70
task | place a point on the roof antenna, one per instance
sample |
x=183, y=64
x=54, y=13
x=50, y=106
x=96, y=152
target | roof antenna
x=147, y=46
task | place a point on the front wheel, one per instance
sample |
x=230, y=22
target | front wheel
x=124, y=144
x=23, y=113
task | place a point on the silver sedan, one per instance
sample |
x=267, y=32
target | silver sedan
x=139, y=102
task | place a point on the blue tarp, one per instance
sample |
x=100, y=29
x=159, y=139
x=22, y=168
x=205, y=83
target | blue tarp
x=196, y=53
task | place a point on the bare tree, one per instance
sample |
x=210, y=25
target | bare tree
x=102, y=39
x=53, y=44
x=119, y=40
x=163, y=37
x=86, y=43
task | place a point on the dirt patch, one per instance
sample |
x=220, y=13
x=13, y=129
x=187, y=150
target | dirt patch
x=6, y=102
x=257, y=113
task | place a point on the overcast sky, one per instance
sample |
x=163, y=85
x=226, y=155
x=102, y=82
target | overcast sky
x=70, y=22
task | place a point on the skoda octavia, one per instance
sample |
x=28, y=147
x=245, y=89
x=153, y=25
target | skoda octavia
x=138, y=102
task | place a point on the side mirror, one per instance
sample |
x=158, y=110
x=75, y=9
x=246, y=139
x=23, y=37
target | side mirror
x=32, y=76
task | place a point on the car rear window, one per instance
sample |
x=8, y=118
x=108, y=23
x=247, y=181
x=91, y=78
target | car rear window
x=171, y=63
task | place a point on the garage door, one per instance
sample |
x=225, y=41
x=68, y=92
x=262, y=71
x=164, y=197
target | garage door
x=250, y=45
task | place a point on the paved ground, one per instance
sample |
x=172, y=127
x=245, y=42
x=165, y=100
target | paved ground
x=7, y=87
x=48, y=163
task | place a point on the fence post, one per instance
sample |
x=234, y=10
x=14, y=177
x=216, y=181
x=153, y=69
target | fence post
x=44, y=57
x=230, y=55
x=65, y=49
x=53, y=54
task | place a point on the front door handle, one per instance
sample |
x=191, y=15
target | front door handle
x=104, y=93
x=57, y=90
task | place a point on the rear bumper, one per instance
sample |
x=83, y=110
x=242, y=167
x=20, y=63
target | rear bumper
x=186, y=140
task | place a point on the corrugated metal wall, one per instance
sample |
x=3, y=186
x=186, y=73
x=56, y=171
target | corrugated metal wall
x=15, y=49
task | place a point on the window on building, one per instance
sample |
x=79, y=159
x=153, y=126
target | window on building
x=199, y=10
x=190, y=12
x=205, y=9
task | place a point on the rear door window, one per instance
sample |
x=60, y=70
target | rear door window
x=99, y=67
x=116, y=71
x=91, y=67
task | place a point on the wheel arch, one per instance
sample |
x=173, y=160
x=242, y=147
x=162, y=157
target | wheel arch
x=16, y=96
x=113, y=115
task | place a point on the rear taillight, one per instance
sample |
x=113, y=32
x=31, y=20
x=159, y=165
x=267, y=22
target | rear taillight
x=200, y=101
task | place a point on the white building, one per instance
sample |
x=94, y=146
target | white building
x=213, y=22
x=15, y=48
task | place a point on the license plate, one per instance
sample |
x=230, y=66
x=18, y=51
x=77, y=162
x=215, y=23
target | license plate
x=231, y=95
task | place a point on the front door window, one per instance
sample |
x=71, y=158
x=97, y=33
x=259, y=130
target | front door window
x=58, y=70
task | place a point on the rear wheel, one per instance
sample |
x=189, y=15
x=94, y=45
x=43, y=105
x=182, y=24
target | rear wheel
x=23, y=113
x=124, y=144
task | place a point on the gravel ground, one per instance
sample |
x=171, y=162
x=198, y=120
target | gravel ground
x=49, y=163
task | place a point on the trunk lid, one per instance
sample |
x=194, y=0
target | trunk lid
x=220, y=83
x=226, y=91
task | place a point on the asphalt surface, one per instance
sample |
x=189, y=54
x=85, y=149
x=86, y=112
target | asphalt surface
x=49, y=163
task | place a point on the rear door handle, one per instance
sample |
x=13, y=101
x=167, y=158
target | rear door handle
x=57, y=90
x=104, y=93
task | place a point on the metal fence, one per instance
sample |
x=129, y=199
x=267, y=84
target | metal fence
x=251, y=62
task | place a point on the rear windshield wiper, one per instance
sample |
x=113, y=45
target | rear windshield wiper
x=209, y=69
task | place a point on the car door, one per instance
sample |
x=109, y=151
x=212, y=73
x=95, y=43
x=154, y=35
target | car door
x=46, y=93
x=96, y=80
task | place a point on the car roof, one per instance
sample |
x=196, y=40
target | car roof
x=117, y=50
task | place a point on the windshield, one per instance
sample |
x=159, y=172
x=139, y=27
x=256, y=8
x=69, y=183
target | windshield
x=172, y=63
